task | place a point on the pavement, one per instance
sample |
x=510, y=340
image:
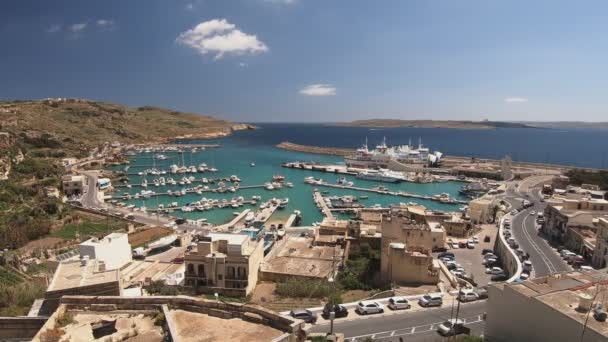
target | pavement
x=545, y=260
x=416, y=324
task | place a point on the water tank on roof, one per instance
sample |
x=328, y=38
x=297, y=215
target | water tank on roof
x=584, y=302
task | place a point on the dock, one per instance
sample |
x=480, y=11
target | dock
x=189, y=191
x=383, y=192
x=290, y=221
x=234, y=221
x=213, y=206
x=320, y=202
x=152, y=185
x=338, y=169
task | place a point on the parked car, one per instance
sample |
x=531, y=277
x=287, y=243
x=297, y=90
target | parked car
x=499, y=277
x=482, y=292
x=490, y=262
x=489, y=255
x=453, y=327
x=514, y=212
x=446, y=254
x=470, y=245
x=431, y=300
x=494, y=270
x=455, y=245
x=339, y=310
x=370, y=307
x=533, y=213
x=398, y=303
x=305, y=315
x=524, y=276
x=564, y=252
x=527, y=265
x=468, y=296
x=475, y=239
x=487, y=238
x=462, y=244
x=487, y=251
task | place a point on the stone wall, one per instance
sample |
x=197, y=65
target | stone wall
x=23, y=328
x=250, y=313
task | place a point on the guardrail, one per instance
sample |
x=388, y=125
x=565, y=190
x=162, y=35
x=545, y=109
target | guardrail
x=509, y=257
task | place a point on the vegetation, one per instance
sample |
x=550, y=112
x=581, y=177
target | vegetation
x=158, y=287
x=66, y=319
x=580, y=177
x=89, y=228
x=361, y=270
x=9, y=278
x=16, y=299
x=304, y=288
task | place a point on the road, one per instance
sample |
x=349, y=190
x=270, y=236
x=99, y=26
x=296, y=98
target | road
x=544, y=258
x=409, y=326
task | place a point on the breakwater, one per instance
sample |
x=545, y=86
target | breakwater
x=315, y=149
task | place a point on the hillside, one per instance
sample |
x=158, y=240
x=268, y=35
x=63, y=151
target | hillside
x=78, y=124
x=394, y=123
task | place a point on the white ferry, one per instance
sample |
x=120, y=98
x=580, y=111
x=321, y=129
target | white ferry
x=383, y=154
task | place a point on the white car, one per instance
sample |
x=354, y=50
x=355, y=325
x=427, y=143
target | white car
x=494, y=270
x=468, y=296
x=475, y=239
x=455, y=245
x=432, y=299
x=398, y=303
x=370, y=307
x=533, y=212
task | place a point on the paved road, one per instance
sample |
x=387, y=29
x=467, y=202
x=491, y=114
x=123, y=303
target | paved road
x=544, y=258
x=410, y=326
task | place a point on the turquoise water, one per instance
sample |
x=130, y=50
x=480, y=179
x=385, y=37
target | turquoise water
x=234, y=158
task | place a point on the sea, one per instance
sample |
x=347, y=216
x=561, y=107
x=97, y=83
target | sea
x=582, y=147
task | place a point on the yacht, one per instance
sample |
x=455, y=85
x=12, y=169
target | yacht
x=380, y=176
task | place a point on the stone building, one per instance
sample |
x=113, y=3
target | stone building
x=562, y=213
x=226, y=263
x=600, y=254
x=73, y=184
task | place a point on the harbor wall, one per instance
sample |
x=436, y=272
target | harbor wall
x=315, y=149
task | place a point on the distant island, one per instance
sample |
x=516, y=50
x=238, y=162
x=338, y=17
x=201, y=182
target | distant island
x=456, y=124
x=566, y=124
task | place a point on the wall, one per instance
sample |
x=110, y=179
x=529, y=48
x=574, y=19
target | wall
x=510, y=261
x=20, y=327
x=404, y=267
x=250, y=313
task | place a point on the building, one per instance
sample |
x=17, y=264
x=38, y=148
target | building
x=74, y=184
x=226, y=263
x=69, y=161
x=398, y=227
x=405, y=252
x=562, y=213
x=458, y=226
x=600, y=254
x=481, y=209
x=413, y=265
x=553, y=308
x=113, y=251
x=81, y=278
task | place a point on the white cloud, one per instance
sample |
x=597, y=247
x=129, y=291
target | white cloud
x=106, y=23
x=516, y=99
x=190, y=6
x=242, y=64
x=220, y=37
x=53, y=28
x=76, y=28
x=318, y=90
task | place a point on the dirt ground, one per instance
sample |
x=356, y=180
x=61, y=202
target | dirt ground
x=415, y=290
x=192, y=326
x=146, y=235
x=263, y=295
x=355, y=295
x=132, y=328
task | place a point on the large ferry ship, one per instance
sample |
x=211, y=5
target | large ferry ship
x=383, y=154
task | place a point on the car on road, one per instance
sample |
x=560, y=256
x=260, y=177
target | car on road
x=482, y=292
x=462, y=244
x=433, y=299
x=533, y=213
x=487, y=251
x=446, y=254
x=305, y=315
x=458, y=274
x=468, y=296
x=339, y=310
x=398, y=303
x=453, y=327
x=568, y=255
x=527, y=265
x=369, y=307
x=524, y=276
x=494, y=270
x=499, y=277
x=446, y=259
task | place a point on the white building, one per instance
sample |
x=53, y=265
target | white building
x=113, y=250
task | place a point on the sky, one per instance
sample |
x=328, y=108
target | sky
x=315, y=60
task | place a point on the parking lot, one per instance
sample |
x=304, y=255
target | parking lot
x=470, y=259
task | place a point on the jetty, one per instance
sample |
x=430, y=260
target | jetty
x=286, y=145
x=187, y=191
x=381, y=191
x=320, y=202
x=339, y=169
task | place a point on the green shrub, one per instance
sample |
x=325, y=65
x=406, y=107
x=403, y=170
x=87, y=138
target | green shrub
x=304, y=288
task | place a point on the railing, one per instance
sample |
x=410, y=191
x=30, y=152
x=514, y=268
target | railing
x=515, y=274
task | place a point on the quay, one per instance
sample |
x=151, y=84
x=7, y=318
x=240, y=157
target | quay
x=320, y=202
x=383, y=192
x=152, y=185
x=315, y=149
x=213, y=206
x=339, y=169
x=189, y=191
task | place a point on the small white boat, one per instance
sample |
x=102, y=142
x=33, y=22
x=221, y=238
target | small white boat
x=252, y=164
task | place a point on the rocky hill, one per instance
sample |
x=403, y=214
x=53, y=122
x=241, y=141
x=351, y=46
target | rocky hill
x=73, y=124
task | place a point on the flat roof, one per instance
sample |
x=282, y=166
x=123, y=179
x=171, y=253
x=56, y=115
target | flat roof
x=295, y=256
x=71, y=274
x=106, y=239
x=233, y=239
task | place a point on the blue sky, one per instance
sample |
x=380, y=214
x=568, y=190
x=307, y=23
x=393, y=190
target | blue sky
x=307, y=60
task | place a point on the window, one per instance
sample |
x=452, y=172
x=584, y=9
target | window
x=201, y=271
x=220, y=277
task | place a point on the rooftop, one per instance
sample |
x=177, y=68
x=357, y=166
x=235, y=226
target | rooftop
x=105, y=240
x=232, y=239
x=73, y=274
x=562, y=292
